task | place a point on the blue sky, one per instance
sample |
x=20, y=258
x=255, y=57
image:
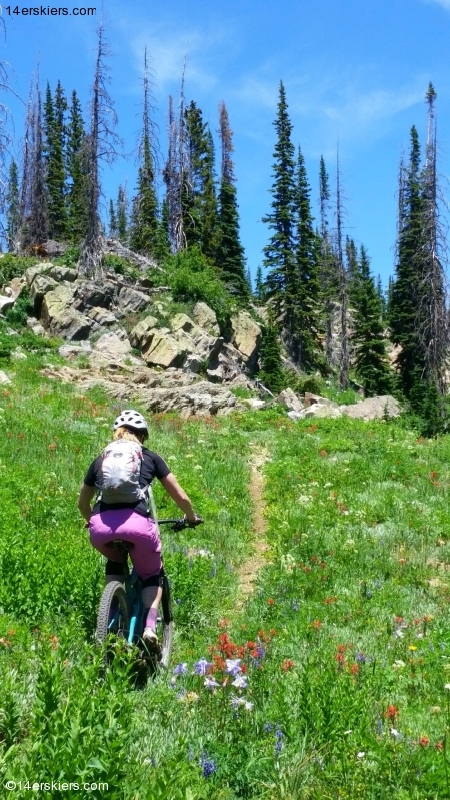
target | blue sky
x=355, y=72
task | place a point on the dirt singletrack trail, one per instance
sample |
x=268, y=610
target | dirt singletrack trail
x=248, y=571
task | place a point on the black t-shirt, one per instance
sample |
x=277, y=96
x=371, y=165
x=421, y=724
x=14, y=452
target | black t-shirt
x=152, y=466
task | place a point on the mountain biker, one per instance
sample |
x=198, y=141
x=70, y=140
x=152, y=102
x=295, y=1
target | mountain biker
x=132, y=522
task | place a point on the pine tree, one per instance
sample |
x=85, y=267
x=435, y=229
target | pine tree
x=230, y=253
x=281, y=281
x=112, y=220
x=198, y=187
x=12, y=206
x=259, y=285
x=271, y=372
x=306, y=336
x=55, y=133
x=144, y=233
x=368, y=339
x=343, y=287
x=405, y=290
x=122, y=219
x=76, y=169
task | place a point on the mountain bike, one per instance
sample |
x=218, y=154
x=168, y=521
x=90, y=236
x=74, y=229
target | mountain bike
x=121, y=611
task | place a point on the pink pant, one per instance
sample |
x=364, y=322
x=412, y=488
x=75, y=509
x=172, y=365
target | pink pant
x=125, y=524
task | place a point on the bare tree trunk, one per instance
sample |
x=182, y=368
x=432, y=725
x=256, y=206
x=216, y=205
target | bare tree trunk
x=102, y=143
x=343, y=299
x=432, y=314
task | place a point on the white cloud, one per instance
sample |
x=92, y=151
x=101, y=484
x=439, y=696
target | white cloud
x=443, y=3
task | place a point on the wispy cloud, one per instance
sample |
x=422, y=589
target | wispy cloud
x=346, y=104
x=443, y=3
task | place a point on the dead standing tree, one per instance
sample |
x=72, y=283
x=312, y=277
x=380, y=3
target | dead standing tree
x=176, y=173
x=432, y=257
x=102, y=145
x=33, y=200
x=343, y=298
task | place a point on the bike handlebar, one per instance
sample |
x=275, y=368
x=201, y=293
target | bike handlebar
x=181, y=523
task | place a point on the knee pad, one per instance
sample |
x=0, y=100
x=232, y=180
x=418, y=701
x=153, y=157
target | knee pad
x=155, y=580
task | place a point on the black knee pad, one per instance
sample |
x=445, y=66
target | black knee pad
x=155, y=580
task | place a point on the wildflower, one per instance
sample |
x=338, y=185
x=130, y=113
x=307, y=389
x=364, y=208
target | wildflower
x=224, y=623
x=208, y=765
x=317, y=624
x=240, y=682
x=202, y=666
x=273, y=632
x=354, y=669
x=412, y=647
x=360, y=657
x=435, y=709
x=268, y=727
x=361, y=754
x=399, y=664
x=233, y=666
x=236, y=701
x=181, y=669
x=248, y=706
x=439, y=746
x=396, y=734
x=392, y=712
x=447, y=686
x=287, y=664
x=52, y=446
x=271, y=601
x=279, y=740
x=424, y=741
x=210, y=683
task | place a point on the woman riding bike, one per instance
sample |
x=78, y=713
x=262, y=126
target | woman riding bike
x=131, y=522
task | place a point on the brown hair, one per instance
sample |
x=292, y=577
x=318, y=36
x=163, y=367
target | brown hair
x=128, y=436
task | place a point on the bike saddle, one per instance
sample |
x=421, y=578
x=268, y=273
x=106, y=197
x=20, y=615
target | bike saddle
x=120, y=544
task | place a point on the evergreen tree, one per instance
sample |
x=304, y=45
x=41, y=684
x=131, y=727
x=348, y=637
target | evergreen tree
x=343, y=285
x=55, y=132
x=35, y=225
x=122, y=222
x=144, y=233
x=198, y=195
x=405, y=290
x=271, y=372
x=76, y=169
x=12, y=206
x=259, y=285
x=230, y=253
x=369, y=343
x=306, y=335
x=281, y=282
x=112, y=220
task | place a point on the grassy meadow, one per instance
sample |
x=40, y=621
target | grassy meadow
x=331, y=682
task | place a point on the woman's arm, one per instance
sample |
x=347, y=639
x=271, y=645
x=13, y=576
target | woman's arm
x=178, y=494
x=84, y=500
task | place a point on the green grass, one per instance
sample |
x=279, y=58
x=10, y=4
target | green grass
x=345, y=640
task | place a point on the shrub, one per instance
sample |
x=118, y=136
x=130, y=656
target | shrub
x=69, y=258
x=22, y=308
x=192, y=278
x=121, y=266
x=12, y=266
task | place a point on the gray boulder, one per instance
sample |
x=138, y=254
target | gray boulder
x=206, y=318
x=289, y=400
x=113, y=346
x=41, y=284
x=4, y=378
x=61, y=318
x=373, y=408
x=164, y=351
x=101, y=316
x=37, y=269
x=246, y=336
x=142, y=333
x=131, y=301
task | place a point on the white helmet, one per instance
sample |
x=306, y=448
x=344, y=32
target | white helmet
x=131, y=419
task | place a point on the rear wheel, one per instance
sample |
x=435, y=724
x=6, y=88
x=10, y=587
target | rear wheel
x=113, y=614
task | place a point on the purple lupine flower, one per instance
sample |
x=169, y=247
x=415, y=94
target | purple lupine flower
x=202, y=666
x=208, y=765
x=295, y=606
x=232, y=666
x=379, y=726
x=236, y=702
x=178, y=601
x=210, y=683
x=213, y=571
x=360, y=658
x=268, y=727
x=377, y=584
x=260, y=650
x=181, y=669
x=279, y=740
x=240, y=682
x=181, y=695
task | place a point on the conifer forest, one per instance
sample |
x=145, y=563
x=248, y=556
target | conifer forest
x=315, y=283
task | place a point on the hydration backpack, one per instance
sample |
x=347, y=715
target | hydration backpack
x=121, y=470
